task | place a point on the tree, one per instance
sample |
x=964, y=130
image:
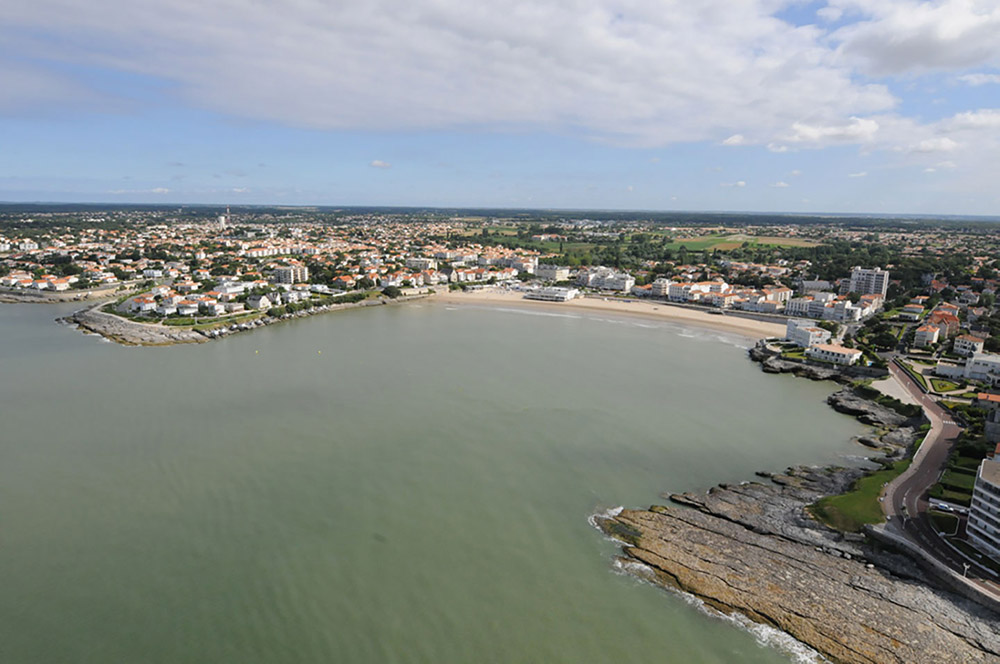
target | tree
x=391, y=292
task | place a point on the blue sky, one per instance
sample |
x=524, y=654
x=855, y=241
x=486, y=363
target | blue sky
x=881, y=106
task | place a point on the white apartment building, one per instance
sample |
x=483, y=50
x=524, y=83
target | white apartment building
x=968, y=345
x=660, y=287
x=293, y=274
x=834, y=353
x=552, y=272
x=865, y=281
x=805, y=334
x=421, y=263
x=983, y=528
x=984, y=367
x=605, y=278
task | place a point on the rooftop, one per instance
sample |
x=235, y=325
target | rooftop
x=989, y=470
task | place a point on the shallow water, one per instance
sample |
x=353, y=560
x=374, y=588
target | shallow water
x=399, y=484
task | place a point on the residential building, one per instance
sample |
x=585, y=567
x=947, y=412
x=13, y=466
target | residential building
x=834, y=353
x=805, y=334
x=967, y=345
x=983, y=528
x=864, y=281
x=552, y=272
x=292, y=274
x=926, y=335
x=984, y=367
x=605, y=278
x=660, y=287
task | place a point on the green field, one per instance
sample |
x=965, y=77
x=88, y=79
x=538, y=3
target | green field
x=851, y=511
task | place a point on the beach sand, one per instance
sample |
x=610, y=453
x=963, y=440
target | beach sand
x=659, y=311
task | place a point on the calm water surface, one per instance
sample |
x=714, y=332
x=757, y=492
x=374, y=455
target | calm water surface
x=405, y=484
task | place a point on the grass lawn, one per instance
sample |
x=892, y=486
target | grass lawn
x=958, y=479
x=946, y=524
x=969, y=395
x=970, y=463
x=941, y=385
x=850, y=511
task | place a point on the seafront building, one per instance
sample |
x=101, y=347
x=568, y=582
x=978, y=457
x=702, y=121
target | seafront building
x=834, y=353
x=803, y=333
x=552, y=294
x=983, y=529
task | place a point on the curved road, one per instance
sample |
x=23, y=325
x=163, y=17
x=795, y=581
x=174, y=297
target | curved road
x=905, y=503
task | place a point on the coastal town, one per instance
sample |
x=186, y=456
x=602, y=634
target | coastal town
x=904, y=317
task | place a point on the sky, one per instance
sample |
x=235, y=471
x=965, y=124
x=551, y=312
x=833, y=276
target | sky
x=846, y=106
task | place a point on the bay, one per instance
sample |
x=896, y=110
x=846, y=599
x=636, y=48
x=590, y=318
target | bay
x=399, y=484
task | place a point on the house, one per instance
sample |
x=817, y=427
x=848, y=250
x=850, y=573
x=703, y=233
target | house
x=968, y=345
x=911, y=312
x=834, y=353
x=187, y=308
x=926, y=335
x=259, y=302
x=142, y=304
x=947, y=321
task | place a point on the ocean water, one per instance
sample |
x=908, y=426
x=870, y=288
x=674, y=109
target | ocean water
x=400, y=484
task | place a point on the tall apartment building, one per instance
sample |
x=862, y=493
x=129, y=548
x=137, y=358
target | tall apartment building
x=983, y=529
x=866, y=281
x=295, y=274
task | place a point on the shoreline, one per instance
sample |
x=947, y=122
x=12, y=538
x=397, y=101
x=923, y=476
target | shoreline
x=126, y=332
x=652, y=311
x=753, y=552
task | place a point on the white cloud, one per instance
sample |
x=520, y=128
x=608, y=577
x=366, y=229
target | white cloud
x=897, y=36
x=860, y=174
x=240, y=190
x=700, y=71
x=737, y=184
x=159, y=190
x=982, y=119
x=976, y=80
x=939, y=144
x=853, y=131
x=795, y=173
x=735, y=139
x=378, y=163
x=780, y=185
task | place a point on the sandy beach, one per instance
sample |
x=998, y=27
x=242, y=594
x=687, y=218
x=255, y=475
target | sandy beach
x=659, y=311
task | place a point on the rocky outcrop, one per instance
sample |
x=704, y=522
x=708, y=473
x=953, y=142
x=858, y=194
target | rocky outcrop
x=130, y=333
x=752, y=549
x=848, y=402
x=774, y=364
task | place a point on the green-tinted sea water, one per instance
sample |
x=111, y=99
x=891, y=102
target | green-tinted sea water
x=400, y=484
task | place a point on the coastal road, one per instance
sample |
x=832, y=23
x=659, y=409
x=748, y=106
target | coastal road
x=905, y=503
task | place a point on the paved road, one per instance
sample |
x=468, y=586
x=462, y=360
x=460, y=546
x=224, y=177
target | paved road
x=905, y=503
